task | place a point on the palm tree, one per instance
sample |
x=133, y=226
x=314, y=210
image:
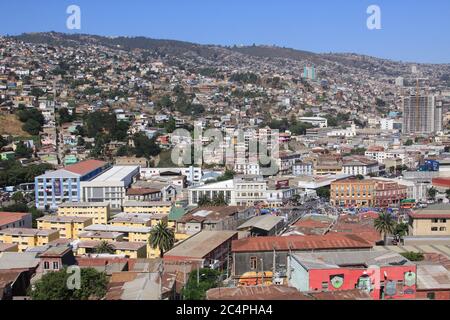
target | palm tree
x=105, y=247
x=400, y=231
x=162, y=237
x=385, y=224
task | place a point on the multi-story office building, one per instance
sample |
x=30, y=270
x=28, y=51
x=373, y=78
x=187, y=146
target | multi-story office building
x=64, y=185
x=421, y=115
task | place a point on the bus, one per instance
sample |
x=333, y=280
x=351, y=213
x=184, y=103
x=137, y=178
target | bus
x=408, y=203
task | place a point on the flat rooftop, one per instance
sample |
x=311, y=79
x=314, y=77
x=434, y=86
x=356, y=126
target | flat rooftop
x=100, y=235
x=63, y=219
x=117, y=245
x=266, y=222
x=200, y=244
x=352, y=259
x=27, y=232
x=147, y=204
x=83, y=204
x=131, y=218
x=432, y=277
x=117, y=229
x=116, y=173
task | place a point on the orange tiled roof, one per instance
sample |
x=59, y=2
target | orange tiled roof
x=85, y=167
x=10, y=217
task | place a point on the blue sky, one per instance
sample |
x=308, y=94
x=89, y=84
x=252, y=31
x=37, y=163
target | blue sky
x=412, y=30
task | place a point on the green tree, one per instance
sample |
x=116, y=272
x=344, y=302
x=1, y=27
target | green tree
x=162, y=237
x=18, y=197
x=323, y=192
x=104, y=247
x=23, y=151
x=400, y=231
x=64, y=116
x=53, y=286
x=37, y=92
x=32, y=127
x=385, y=224
x=219, y=201
x=413, y=256
x=199, y=283
x=145, y=147
x=409, y=142
x=35, y=214
x=447, y=192
x=170, y=125
x=3, y=142
x=204, y=201
x=432, y=193
x=227, y=175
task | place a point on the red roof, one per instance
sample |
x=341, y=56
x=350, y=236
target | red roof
x=441, y=182
x=84, y=167
x=313, y=242
x=11, y=217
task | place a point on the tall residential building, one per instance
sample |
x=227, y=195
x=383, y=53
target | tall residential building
x=56, y=187
x=309, y=73
x=421, y=115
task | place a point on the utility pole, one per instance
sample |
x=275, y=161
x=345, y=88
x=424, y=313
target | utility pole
x=262, y=271
x=198, y=276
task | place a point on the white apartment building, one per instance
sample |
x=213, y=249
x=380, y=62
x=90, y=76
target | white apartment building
x=387, y=124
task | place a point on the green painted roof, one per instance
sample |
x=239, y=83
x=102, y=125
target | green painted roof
x=176, y=213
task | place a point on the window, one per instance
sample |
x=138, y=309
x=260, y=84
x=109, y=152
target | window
x=325, y=285
x=444, y=220
x=253, y=263
x=435, y=220
x=434, y=229
x=55, y=265
x=46, y=265
x=431, y=295
x=442, y=229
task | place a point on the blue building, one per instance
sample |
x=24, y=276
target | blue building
x=56, y=187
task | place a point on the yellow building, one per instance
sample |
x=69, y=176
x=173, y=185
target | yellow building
x=28, y=238
x=432, y=221
x=353, y=193
x=327, y=169
x=133, y=250
x=149, y=207
x=68, y=227
x=128, y=233
x=99, y=212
